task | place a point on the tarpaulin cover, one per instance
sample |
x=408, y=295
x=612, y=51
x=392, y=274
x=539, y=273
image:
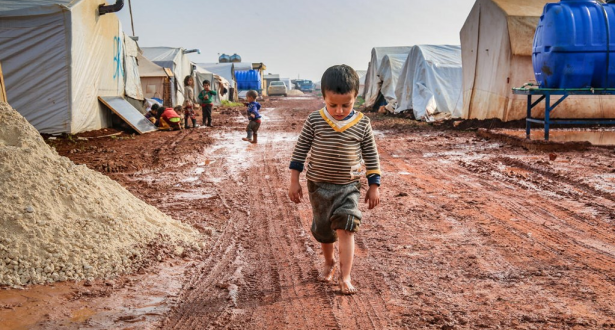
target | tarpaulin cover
x=177, y=61
x=58, y=57
x=371, y=78
x=224, y=70
x=496, y=44
x=388, y=74
x=133, y=78
x=430, y=82
x=217, y=83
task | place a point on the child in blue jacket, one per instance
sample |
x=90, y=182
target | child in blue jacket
x=253, y=116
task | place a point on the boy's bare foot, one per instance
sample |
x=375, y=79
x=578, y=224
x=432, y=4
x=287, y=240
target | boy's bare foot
x=346, y=287
x=328, y=272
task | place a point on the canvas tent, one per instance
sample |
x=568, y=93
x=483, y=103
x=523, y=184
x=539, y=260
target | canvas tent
x=177, y=61
x=388, y=74
x=155, y=80
x=496, y=44
x=218, y=84
x=371, y=81
x=362, y=77
x=430, y=83
x=226, y=71
x=58, y=56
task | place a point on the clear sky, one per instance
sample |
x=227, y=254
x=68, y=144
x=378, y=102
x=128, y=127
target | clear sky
x=295, y=37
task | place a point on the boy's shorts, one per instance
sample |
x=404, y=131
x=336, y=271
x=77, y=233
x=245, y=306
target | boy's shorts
x=334, y=206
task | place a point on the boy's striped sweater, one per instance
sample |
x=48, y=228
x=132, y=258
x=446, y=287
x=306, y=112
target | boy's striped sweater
x=338, y=149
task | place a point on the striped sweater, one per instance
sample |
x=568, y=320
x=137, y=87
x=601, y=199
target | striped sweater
x=341, y=151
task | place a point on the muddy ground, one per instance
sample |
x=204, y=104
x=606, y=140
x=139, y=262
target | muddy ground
x=472, y=233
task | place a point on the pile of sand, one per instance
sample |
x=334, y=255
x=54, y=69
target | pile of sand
x=60, y=221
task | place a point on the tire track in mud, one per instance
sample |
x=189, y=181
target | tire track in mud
x=261, y=273
x=517, y=228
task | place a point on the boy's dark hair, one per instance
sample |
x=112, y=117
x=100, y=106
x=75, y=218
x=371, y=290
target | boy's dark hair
x=252, y=93
x=186, y=80
x=178, y=108
x=340, y=79
x=206, y=82
x=155, y=107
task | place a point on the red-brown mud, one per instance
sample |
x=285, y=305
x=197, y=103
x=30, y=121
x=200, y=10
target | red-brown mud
x=472, y=233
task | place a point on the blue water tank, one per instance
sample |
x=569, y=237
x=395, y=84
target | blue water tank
x=571, y=44
x=235, y=58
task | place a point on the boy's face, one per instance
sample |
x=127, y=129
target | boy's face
x=251, y=98
x=339, y=106
x=206, y=87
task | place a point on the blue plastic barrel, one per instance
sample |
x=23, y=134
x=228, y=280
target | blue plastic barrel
x=571, y=44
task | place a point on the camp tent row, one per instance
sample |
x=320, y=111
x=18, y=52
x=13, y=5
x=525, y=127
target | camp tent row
x=473, y=81
x=59, y=56
x=426, y=79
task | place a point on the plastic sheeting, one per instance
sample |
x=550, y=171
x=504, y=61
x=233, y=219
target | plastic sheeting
x=133, y=79
x=224, y=70
x=496, y=43
x=218, y=83
x=58, y=57
x=371, y=77
x=174, y=59
x=389, y=72
x=431, y=82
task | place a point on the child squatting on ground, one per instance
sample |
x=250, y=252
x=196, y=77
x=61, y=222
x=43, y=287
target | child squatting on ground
x=253, y=116
x=342, y=149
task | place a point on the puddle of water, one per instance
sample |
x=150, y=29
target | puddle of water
x=199, y=170
x=404, y=173
x=195, y=196
x=598, y=138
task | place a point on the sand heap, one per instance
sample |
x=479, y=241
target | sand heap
x=60, y=221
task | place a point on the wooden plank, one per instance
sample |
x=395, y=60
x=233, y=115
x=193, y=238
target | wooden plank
x=3, y=97
x=128, y=113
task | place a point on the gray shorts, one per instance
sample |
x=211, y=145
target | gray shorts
x=334, y=206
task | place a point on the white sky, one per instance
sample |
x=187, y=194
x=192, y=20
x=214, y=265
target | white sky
x=295, y=37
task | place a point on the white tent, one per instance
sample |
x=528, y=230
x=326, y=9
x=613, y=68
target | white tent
x=371, y=79
x=177, y=61
x=496, y=45
x=362, y=76
x=388, y=74
x=218, y=83
x=431, y=82
x=58, y=56
x=154, y=80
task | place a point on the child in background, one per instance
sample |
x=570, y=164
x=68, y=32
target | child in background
x=340, y=142
x=169, y=119
x=206, y=97
x=189, y=102
x=180, y=111
x=152, y=114
x=253, y=116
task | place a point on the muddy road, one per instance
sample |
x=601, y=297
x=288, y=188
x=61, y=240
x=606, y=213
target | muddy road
x=471, y=234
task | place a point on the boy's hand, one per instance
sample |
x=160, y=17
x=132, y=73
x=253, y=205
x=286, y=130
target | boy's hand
x=373, y=196
x=294, y=191
x=252, y=115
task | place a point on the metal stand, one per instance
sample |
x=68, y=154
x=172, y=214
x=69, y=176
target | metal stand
x=545, y=94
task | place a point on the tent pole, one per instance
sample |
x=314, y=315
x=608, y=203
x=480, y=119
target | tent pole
x=132, y=22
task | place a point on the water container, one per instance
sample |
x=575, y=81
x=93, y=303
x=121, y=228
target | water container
x=224, y=58
x=571, y=44
x=235, y=58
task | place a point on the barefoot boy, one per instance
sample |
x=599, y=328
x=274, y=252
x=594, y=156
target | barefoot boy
x=342, y=150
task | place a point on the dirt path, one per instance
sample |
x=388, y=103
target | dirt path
x=471, y=233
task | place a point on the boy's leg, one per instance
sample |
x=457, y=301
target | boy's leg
x=328, y=270
x=186, y=121
x=346, y=247
x=248, y=132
